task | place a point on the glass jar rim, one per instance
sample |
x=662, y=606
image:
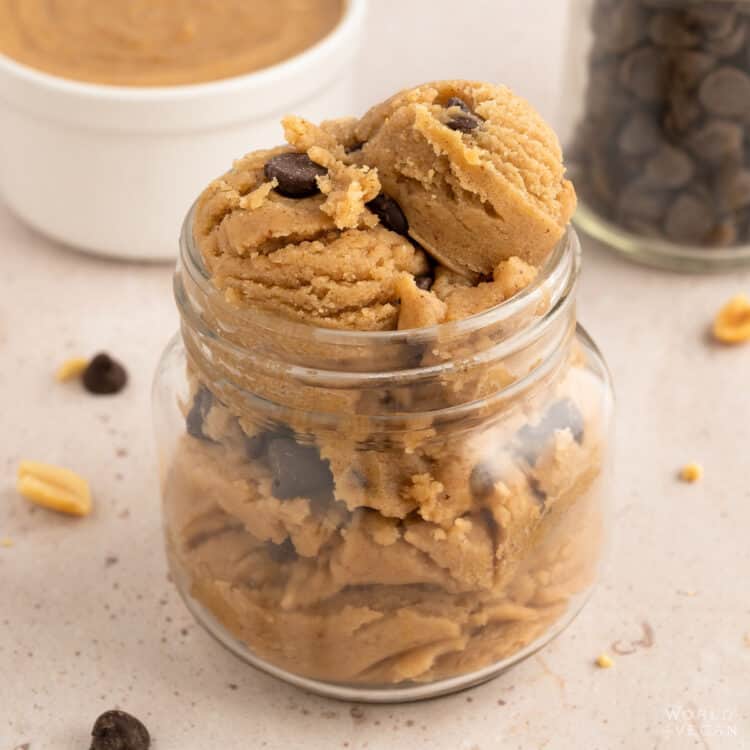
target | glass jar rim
x=561, y=267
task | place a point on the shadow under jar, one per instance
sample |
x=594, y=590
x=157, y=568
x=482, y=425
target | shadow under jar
x=657, y=124
x=384, y=516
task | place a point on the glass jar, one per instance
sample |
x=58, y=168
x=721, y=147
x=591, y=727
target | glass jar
x=656, y=119
x=384, y=516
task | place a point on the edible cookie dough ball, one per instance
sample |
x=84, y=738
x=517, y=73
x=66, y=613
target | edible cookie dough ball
x=289, y=233
x=476, y=171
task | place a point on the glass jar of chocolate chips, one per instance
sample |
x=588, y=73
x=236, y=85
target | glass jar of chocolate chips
x=657, y=126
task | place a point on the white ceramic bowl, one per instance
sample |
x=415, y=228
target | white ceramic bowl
x=114, y=169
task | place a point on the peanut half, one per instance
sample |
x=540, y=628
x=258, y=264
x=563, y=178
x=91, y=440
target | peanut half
x=732, y=323
x=54, y=487
x=71, y=368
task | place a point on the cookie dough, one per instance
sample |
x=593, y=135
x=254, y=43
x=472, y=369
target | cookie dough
x=476, y=170
x=334, y=545
x=142, y=43
x=307, y=231
x=381, y=568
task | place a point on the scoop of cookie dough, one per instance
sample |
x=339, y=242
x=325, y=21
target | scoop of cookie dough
x=332, y=229
x=475, y=169
x=293, y=237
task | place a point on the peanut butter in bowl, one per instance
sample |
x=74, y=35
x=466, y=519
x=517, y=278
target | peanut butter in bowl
x=160, y=42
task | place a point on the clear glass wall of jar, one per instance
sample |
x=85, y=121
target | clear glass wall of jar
x=384, y=516
x=656, y=117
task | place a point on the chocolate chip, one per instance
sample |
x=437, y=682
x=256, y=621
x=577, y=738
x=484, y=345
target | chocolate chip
x=642, y=200
x=671, y=30
x=726, y=92
x=730, y=45
x=454, y=101
x=640, y=135
x=104, y=375
x=715, y=21
x=463, y=123
x=356, y=146
x=689, y=219
x=296, y=174
x=717, y=141
x=690, y=67
x=424, y=282
x=117, y=730
x=563, y=414
x=621, y=27
x=669, y=167
x=256, y=445
x=390, y=214
x=281, y=553
x=297, y=470
x=644, y=72
x=202, y=403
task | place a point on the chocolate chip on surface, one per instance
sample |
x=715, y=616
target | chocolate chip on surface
x=463, y=123
x=117, y=730
x=104, y=375
x=390, y=214
x=455, y=101
x=424, y=282
x=296, y=174
x=563, y=414
x=202, y=403
x=298, y=470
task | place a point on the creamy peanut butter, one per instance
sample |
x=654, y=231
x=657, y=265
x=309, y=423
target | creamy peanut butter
x=160, y=42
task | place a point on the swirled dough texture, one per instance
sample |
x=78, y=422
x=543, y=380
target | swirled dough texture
x=147, y=43
x=346, y=554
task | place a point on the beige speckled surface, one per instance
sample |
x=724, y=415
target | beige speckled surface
x=79, y=634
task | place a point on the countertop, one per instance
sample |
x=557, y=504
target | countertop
x=88, y=620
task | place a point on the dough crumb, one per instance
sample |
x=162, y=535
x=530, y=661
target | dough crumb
x=732, y=322
x=691, y=472
x=604, y=661
x=71, y=368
